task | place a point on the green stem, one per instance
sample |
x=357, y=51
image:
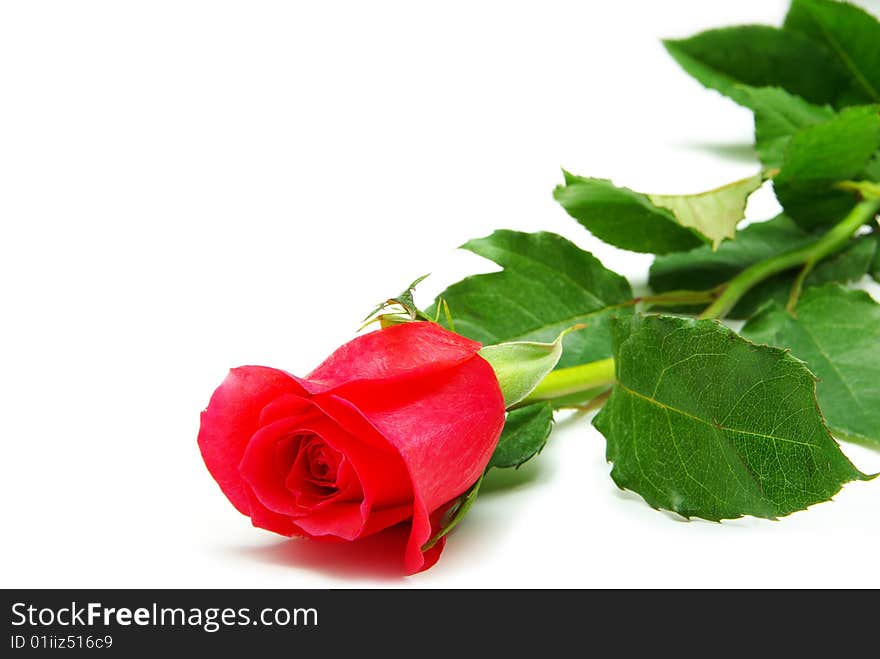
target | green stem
x=808, y=255
x=578, y=400
x=595, y=403
x=798, y=285
x=572, y=380
x=867, y=189
x=676, y=298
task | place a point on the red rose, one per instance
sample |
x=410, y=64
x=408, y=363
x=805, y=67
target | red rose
x=390, y=428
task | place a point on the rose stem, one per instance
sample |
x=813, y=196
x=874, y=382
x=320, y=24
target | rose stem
x=572, y=380
x=808, y=255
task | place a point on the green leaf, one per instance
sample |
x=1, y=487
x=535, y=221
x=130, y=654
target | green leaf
x=707, y=424
x=875, y=267
x=848, y=265
x=702, y=269
x=820, y=156
x=548, y=284
x=836, y=331
x=872, y=171
x=849, y=33
x=778, y=116
x=657, y=224
x=715, y=213
x=731, y=58
x=521, y=365
x=524, y=436
x=623, y=218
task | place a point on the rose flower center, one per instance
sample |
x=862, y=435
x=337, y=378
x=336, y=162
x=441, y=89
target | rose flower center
x=323, y=462
x=311, y=467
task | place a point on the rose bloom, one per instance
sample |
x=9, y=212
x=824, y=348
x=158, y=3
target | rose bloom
x=390, y=429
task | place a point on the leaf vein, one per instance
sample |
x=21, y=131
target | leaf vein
x=712, y=425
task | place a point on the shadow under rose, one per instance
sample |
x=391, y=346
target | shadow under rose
x=501, y=480
x=375, y=557
x=380, y=556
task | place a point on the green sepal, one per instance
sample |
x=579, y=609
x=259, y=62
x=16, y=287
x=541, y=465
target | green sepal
x=521, y=365
x=524, y=436
x=405, y=303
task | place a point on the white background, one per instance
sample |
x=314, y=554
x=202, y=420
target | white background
x=189, y=186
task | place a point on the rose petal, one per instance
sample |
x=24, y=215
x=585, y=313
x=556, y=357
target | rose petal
x=405, y=350
x=285, y=406
x=342, y=520
x=444, y=426
x=263, y=518
x=382, y=472
x=299, y=483
x=324, y=463
x=382, y=519
x=382, y=479
x=373, y=479
x=414, y=557
x=230, y=420
x=269, y=479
